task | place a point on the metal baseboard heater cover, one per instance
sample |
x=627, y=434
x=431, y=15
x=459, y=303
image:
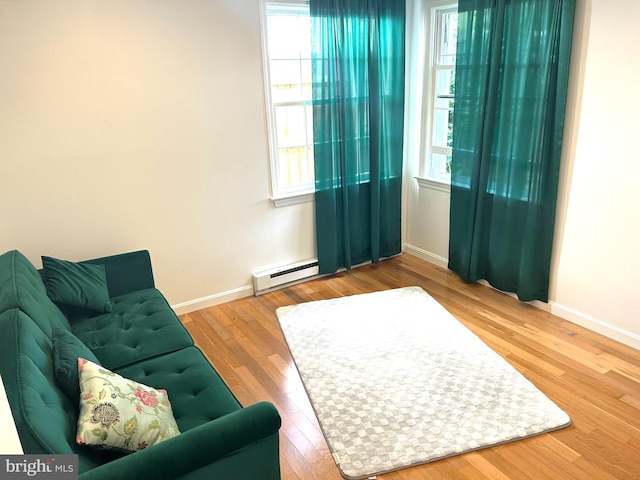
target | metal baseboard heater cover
x=275, y=278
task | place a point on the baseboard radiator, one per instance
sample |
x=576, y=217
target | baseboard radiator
x=269, y=280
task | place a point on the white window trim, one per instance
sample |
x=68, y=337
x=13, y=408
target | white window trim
x=294, y=199
x=281, y=197
x=434, y=184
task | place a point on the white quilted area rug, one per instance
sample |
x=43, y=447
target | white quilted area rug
x=396, y=381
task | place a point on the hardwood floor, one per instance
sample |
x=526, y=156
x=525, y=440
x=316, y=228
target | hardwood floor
x=594, y=379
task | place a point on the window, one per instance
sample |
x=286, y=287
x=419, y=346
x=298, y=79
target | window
x=287, y=40
x=442, y=82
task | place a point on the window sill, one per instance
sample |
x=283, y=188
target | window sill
x=294, y=199
x=433, y=184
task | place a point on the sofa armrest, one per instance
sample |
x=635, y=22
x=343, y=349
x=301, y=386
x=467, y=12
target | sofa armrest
x=195, y=449
x=127, y=272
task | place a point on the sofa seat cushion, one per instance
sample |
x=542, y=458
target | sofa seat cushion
x=141, y=325
x=22, y=288
x=196, y=391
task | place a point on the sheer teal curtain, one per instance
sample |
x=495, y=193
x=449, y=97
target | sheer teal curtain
x=512, y=67
x=358, y=120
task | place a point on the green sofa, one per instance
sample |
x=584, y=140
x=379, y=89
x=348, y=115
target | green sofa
x=141, y=339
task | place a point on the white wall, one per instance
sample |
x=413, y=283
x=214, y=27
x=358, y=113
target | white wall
x=130, y=124
x=595, y=264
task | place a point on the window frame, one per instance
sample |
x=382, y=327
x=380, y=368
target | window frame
x=426, y=178
x=280, y=194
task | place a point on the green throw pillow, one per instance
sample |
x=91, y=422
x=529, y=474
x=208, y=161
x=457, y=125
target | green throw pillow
x=120, y=414
x=76, y=284
x=66, y=350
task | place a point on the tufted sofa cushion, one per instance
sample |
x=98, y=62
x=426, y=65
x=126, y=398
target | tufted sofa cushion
x=142, y=325
x=22, y=288
x=45, y=419
x=196, y=391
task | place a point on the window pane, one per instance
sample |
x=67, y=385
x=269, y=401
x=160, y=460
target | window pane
x=448, y=35
x=289, y=44
x=286, y=81
x=309, y=118
x=443, y=112
x=440, y=166
x=305, y=72
x=295, y=165
x=445, y=87
x=295, y=145
x=440, y=127
x=291, y=125
x=443, y=128
x=289, y=32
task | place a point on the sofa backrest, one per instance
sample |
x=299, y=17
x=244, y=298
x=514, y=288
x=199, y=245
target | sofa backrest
x=21, y=287
x=45, y=417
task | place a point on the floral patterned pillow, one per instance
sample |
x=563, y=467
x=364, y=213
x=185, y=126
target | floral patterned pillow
x=118, y=413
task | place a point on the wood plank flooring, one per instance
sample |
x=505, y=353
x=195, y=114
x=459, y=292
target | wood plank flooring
x=594, y=379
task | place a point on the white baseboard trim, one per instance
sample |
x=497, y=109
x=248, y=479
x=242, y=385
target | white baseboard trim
x=428, y=256
x=567, y=313
x=587, y=321
x=579, y=318
x=211, y=300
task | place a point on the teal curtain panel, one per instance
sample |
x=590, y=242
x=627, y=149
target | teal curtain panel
x=358, y=56
x=512, y=67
